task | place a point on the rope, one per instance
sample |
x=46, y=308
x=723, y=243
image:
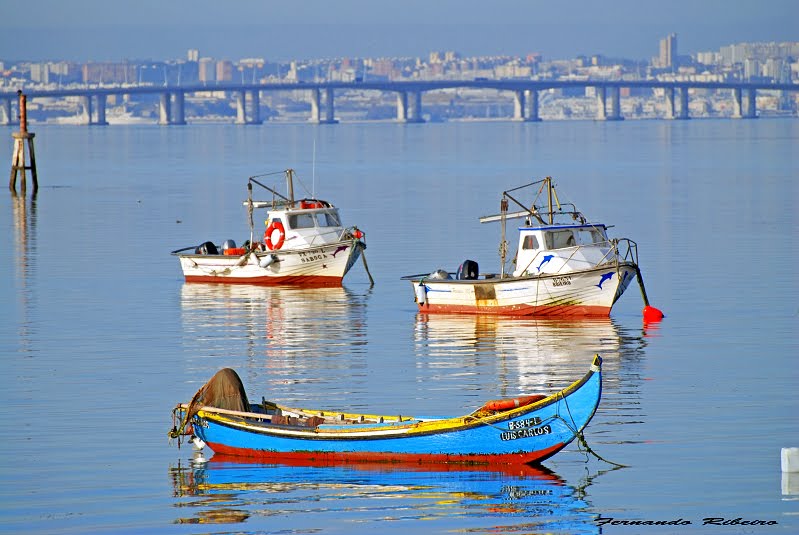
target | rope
x=581, y=440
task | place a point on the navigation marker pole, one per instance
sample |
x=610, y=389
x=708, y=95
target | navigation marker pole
x=18, y=156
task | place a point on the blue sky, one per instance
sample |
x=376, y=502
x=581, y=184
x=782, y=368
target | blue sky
x=111, y=30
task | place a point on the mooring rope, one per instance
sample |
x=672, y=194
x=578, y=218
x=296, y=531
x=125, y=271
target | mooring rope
x=571, y=426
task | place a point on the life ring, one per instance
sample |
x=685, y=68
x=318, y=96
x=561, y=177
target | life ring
x=506, y=404
x=269, y=233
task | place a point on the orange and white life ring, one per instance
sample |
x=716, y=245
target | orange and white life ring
x=274, y=235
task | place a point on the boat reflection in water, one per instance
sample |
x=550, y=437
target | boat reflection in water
x=518, y=356
x=350, y=497
x=274, y=335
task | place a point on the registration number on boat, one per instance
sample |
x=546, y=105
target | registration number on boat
x=529, y=432
x=562, y=281
x=312, y=256
x=529, y=422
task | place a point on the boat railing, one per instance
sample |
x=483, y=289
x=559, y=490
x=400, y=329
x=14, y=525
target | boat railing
x=626, y=249
x=618, y=250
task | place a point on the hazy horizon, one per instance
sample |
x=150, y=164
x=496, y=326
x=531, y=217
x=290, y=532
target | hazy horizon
x=148, y=29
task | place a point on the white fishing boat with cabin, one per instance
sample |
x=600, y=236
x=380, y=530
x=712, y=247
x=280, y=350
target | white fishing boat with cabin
x=565, y=266
x=303, y=244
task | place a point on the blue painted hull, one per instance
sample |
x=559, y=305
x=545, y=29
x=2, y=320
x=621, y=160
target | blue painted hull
x=525, y=434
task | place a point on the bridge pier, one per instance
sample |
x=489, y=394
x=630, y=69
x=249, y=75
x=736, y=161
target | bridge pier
x=668, y=92
x=255, y=103
x=736, y=103
x=615, y=105
x=532, y=105
x=683, y=104
x=601, y=111
x=6, y=109
x=402, y=107
x=178, y=112
x=164, y=108
x=102, y=100
x=519, y=105
x=738, y=110
x=415, y=108
x=316, y=107
x=330, y=115
x=241, y=113
x=86, y=109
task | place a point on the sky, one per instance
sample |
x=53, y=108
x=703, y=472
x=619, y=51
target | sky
x=115, y=30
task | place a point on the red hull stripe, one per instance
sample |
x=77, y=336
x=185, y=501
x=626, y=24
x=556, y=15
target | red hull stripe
x=389, y=457
x=314, y=281
x=559, y=311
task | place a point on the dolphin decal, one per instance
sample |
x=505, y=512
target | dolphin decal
x=546, y=259
x=605, y=277
x=339, y=249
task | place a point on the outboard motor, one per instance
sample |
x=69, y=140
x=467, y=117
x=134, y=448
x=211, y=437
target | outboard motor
x=468, y=270
x=228, y=244
x=206, y=248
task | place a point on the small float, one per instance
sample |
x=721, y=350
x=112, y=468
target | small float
x=521, y=430
x=303, y=244
x=565, y=266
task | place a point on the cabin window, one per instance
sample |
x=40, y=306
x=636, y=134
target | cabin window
x=328, y=219
x=558, y=239
x=301, y=221
x=592, y=236
x=598, y=237
x=529, y=242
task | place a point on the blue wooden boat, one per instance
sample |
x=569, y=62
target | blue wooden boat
x=526, y=429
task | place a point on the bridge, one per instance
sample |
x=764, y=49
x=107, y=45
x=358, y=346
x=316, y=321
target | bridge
x=525, y=95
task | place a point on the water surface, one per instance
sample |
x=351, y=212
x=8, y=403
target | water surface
x=101, y=337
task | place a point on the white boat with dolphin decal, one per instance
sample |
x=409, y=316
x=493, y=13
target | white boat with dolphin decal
x=565, y=266
x=303, y=244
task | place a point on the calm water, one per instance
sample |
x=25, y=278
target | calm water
x=100, y=336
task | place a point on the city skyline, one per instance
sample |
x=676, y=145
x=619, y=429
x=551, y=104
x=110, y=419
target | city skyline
x=358, y=28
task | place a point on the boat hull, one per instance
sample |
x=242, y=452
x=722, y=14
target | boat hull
x=325, y=265
x=584, y=293
x=525, y=434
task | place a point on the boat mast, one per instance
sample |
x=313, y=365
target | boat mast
x=503, y=245
x=290, y=184
x=250, y=210
x=548, y=181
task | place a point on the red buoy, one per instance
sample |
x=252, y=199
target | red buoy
x=652, y=314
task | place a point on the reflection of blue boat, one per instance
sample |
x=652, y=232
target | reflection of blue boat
x=228, y=490
x=522, y=430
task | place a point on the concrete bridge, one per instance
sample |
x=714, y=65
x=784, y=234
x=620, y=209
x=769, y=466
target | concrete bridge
x=525, y=95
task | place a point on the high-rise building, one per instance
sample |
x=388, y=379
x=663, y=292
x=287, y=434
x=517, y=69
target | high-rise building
x=224, y=71
x=193, y=55
x=207, y=70
x=668, y=52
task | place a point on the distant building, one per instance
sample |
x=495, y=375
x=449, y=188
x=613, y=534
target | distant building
x=207, y=71
x=224, y=71
x=193, y=55
x=668, y=52
x=108, y=73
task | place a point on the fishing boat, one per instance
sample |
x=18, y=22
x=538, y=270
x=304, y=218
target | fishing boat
x=525, y=429
x=303, y=244
x=565, y=266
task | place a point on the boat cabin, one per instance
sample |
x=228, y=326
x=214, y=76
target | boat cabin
x=561, y=248
x=312, y=224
